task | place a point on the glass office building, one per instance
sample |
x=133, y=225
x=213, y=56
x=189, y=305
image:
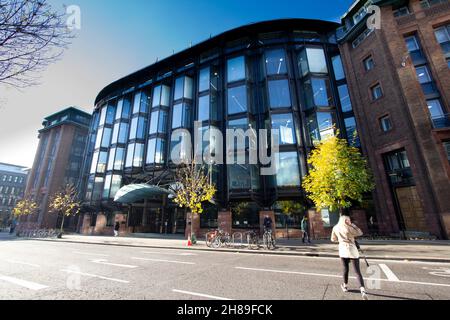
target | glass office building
x=284, y=74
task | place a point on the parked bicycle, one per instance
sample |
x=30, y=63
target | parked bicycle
x=37, y=233
x=252, y=240
x=269, y=239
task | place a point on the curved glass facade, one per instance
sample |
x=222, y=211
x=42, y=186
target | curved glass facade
x=282, y=78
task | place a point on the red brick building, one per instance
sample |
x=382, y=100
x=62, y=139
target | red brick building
x=399, y=82
x=58, y=162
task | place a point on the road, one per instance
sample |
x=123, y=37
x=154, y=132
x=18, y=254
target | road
x=31, y=269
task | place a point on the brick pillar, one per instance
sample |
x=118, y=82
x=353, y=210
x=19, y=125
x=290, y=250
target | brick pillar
x=316, y=227
x=262, y=215
x=86, y=227
x=101, y=224
x=122, y=219
x=360, y=219
x=194, y=224
x=224, y=220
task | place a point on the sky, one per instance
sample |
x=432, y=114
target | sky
x=119, y=37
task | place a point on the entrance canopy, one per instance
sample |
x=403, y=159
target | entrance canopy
x=136, y=192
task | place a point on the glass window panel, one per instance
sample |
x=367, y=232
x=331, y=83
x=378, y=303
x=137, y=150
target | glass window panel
x=236, y=69
x=116, y=183
x=288, y=174
x=98, y=188
x=320, y=126
x=344, y=96
x=110, y=114
x=106, y=140
x=165, y=96
x=203, y=108
x=119, y=109
x=119, y=159
x=137, y=102
x=189, y=88
x=107, y=186
x=101, y=165
x=179, y=88
x=130, y=153
x=285, y=124
x=316, y=60
x=350, y=126
x=162, y=123
x=94, y=162
x=435, y=108
x=412, y=44
x=123, y=133
x=377, y=92
x=321, y=92
x=112, y=153
x=237, y=100
x=102, y=116
x=442, y=34
x=138, y=155
x=239, y=177
x=204, y=79
x=159, y=152
x=126, y=108
x=154, y=122
x=141, y=128
x=156, y=96
x=276, y=62
x=423, y=75
x=151, y=147
x=145, y=101
x=98, y=140
x=134, y=128
x=115, y=134
x=279, y=94
x=339, y=73
x=177, y=116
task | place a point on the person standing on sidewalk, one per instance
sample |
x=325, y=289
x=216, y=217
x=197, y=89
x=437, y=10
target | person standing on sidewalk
x=305, y=229
x=116, y=229
x=345, y=233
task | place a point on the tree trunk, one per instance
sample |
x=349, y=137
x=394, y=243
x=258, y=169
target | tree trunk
x=61, y=230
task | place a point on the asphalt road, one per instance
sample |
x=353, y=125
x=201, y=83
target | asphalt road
x=32, y=269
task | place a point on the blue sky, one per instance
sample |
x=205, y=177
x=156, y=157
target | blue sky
x=119, y=37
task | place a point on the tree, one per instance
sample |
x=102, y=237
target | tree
x=65, y=203
x=25, y=207
x=339, y=175
x=32, y=35
x=192, y=189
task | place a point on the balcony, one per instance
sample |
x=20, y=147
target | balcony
x=441, y=122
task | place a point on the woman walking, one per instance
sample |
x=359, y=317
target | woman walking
x=345, y=233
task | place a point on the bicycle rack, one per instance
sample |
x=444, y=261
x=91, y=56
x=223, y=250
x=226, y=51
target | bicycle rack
x=240, y=236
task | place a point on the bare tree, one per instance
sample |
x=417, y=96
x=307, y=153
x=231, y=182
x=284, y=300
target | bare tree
x=32, y=35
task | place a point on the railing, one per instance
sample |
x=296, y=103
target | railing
x=441, y=122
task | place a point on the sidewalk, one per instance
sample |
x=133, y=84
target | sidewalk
x=426, y=251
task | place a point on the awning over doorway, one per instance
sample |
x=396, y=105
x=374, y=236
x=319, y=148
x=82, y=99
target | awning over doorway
x=136, y=192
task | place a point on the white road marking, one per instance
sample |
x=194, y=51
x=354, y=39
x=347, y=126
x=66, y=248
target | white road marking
x=91, y=254
x=94, y=276
x=389, y=274
x=23, y=283
x=336, y=276
x=200, y=295
x=161, y=260
x=23, y=263
x=105, y=262
x=169, y=254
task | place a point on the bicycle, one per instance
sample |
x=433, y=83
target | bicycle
x=221, y=238
x=268, y=239
x=252, y=240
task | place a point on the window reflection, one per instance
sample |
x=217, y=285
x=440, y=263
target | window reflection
x=155, y=151
x=203, y=108
x=116, y=183
x=237, y=100
x=183, y=88
x=137, y=130
x=288, y=174
x=119, y=159
x=161, y=96
x=181, y=116
x=318, y=93
x=107, y=186
x=346, y=104
x=101, y=165
x=279, y=94
x=338, y=69
x=204, y=79
x=239, y=177
x=276, y=62
x=236, y=69
x=320, y=126
x=312, y=60
x=112, y=154
x=110, y=114
x=285, y=124
x=106, y=137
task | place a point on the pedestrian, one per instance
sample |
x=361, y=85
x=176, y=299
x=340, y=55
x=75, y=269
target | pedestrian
x=12, y=228
x=116, y=229
x=305, y=229
x=345, y=233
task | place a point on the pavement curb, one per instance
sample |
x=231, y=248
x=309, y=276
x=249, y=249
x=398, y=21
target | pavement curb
x=246, y=251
